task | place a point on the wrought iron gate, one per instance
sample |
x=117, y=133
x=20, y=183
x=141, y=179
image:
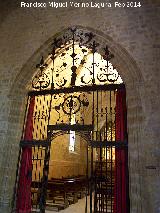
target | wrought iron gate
x=109, y=169
x=62, y=88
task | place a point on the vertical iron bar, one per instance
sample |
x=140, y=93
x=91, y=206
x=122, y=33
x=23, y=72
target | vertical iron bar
x=97, y=139
x=106, y=180
x=82, y=116
x=111, y=148
x=100, y=182
x=49, y=110
x=97, y=118
x=115, y=163
x=73, y=46
x=87, y=185
x=106, y=160
x=53, y=55
x=93, y=50
x=91, y=180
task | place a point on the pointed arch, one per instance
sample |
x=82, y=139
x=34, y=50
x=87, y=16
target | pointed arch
x=130, y=74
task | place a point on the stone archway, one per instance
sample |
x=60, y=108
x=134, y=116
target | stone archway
x=133, y=81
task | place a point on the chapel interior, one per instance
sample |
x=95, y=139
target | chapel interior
x=69, y=171
x=79, y=108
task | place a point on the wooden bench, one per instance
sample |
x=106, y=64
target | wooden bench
x=57, y=193
x=60, y=192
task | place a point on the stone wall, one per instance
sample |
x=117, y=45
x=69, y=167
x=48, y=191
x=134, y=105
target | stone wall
x=64, y=163
x=133, y=36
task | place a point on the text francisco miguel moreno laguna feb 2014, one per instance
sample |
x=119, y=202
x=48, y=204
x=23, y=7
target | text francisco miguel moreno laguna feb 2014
x=54, y=4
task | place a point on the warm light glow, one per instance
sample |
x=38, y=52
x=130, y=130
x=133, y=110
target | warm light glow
x=72, y=135
x=72, y=141
x=63, y=63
